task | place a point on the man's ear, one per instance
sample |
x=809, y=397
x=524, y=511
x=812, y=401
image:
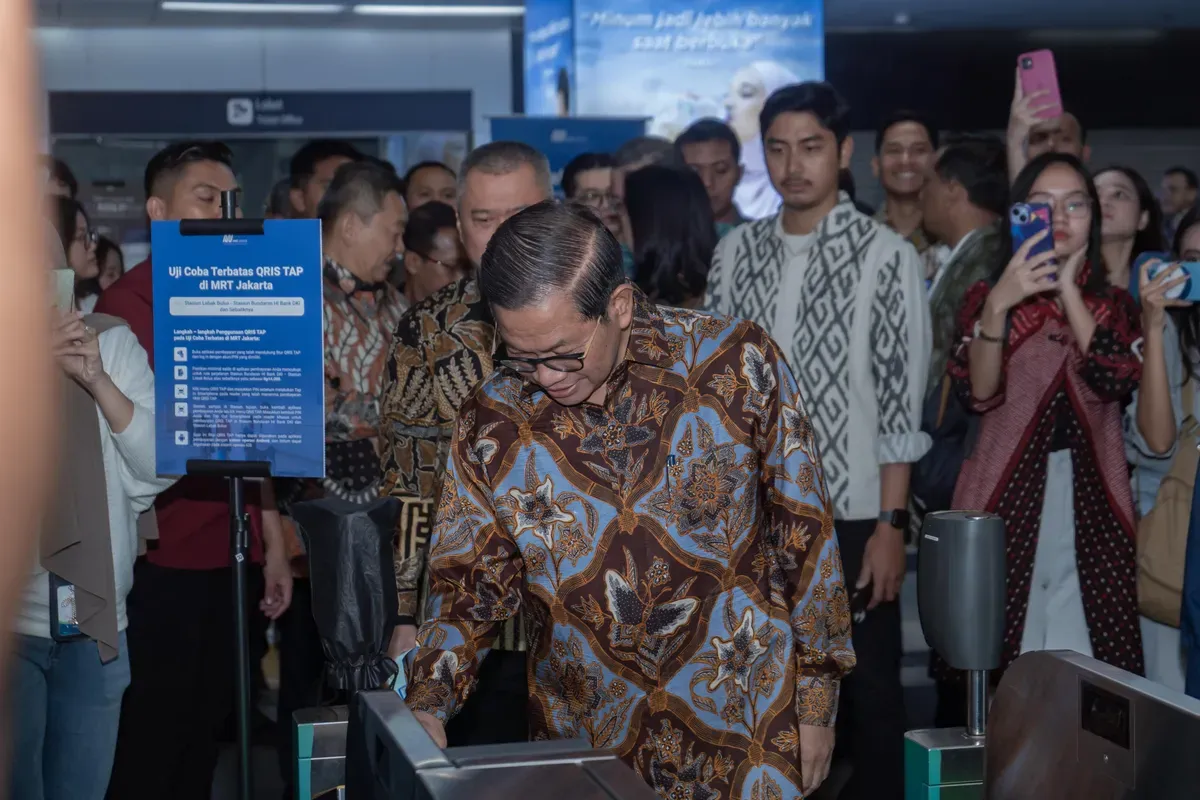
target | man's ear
x=846, y=152
x=156, y=209
x=1086, y=153
x=412, y=263
x=620, y=305
x=297, y=198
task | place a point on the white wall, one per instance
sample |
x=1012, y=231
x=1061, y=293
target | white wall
x=279, y=60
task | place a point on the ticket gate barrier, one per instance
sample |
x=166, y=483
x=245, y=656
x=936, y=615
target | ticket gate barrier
x=320, y=747
x=1068, y=727
x=960, y=598
x=407, y=765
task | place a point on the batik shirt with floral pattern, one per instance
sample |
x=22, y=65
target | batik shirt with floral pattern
x=672, y=554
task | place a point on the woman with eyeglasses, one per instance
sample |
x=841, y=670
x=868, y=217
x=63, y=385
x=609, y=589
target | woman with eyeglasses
x=78, y=240
x=1048, y=352
x=433, y=253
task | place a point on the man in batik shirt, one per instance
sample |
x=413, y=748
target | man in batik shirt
x=640, y=484
x=442, y=352
x=362, y=221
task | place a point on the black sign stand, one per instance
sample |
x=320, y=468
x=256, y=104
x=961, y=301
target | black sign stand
x=239, y=521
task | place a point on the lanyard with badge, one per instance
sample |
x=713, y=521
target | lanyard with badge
x=64, y=619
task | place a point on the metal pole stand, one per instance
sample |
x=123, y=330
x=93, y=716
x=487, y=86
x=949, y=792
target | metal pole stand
x=977, y=703
x=239, y=531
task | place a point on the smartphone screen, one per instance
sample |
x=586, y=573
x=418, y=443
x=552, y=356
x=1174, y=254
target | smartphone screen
x=62, y=289
x=1039, y=75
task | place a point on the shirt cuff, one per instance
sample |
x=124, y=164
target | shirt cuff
x=903, y=448
x=817, y=699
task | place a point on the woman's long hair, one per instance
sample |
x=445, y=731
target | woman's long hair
x=1097, y=278
x=1187, y=320
x=673, y=232
x=66, y=219
x=1150, y=238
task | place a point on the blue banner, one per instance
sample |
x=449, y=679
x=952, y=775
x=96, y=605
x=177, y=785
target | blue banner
x=563, y=139
x=239, y=336
x=549, y=58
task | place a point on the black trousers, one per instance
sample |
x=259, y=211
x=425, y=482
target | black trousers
x=497, y=712
x=871, y=717
x=301, y=673
x=182, y=663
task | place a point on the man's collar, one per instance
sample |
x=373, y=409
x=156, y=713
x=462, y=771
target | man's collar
x=648, y=343
x=347, y=281
x=843, y=202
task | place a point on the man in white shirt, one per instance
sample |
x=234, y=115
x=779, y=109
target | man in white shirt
x=844, y=297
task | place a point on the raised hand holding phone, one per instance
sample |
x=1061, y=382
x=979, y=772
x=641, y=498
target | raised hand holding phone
x=1160, y=285
x=1037, y=77
x=1025, y=275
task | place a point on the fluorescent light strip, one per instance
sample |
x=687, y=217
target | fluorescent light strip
x=439, y=11
x=253, y=8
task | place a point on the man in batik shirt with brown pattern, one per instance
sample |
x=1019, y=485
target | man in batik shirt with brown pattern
x=642, y=486
x=442, y=352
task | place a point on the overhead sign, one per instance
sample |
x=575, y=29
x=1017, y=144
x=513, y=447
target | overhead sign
x=238, y=329
x=231, y=113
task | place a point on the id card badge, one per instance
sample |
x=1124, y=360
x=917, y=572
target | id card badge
x=64, y=624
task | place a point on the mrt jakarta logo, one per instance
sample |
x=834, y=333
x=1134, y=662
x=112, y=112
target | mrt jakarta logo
x=240, y=111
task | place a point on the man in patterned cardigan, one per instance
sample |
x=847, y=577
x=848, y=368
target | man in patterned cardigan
x=845, y=298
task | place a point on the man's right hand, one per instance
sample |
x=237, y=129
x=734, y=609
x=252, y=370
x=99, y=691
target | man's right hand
x=404, y=638
x=1023, y=116
x=433, y=726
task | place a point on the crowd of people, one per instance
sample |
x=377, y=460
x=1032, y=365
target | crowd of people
x=650, y=447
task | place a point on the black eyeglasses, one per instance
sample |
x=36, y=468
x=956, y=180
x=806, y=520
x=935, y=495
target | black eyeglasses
x=433, y=260
x=566, y=362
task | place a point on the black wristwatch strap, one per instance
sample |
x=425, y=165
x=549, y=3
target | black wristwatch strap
x=896, y=517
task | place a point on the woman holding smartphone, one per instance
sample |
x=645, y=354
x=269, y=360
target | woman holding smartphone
x=1166, y=395
x=1047, y=353
x=72, y=664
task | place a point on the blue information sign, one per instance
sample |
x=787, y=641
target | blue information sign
x=239, y=338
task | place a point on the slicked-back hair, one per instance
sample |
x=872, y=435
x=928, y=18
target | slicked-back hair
x=168, y=163
x=552, y=247
x=818, y=98
x=358, y=186
x=503, y=157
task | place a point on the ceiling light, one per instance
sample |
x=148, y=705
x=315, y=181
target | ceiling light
x=439, y=11
x=253, y=8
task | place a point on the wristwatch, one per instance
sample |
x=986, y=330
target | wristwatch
x=980, y=334
x=898, y=518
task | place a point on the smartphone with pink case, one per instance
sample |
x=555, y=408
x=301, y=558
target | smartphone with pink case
x=1039, y=75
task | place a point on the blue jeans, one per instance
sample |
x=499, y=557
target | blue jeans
x=65, y=709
